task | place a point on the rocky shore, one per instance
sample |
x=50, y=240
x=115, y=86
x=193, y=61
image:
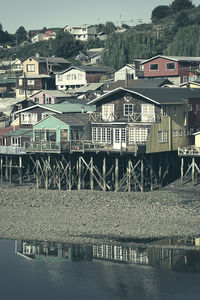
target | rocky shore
x=85, y=216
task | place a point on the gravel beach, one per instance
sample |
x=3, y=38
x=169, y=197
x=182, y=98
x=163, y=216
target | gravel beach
x=85, y=216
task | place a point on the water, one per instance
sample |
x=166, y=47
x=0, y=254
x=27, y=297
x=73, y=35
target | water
x=168, y=269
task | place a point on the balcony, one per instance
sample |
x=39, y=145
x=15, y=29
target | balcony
x=189, y=151
x=133, y=118
x=12, y=150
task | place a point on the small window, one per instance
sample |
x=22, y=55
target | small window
x=153, y=67
x=189, y=107
x=30, y=68
x=128, y=109
x=30, y=82
x=175, y=133
x=20, y=81
x=162, y=137
x=170, y=66
x=197, y=107
x=180, y=132
x=174, y=110
x=36, y=100
x=164, y=111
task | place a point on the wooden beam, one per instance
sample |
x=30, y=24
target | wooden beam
x=116, y=174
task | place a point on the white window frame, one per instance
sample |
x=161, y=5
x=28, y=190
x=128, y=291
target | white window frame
x=30, y=68
x=108, y=111
x=127, y=110
x=28, y=118
x=162, y=137
x=30, y=81
x=197, y=107
x=153, y=69
x=164, y=110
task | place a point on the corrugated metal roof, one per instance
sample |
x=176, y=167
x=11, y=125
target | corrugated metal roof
x=176, y=58
x=73, y=119
x=69, y=107
x=25, y=132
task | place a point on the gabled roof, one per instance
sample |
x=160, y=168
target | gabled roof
x=140, y=83
x=175, y=58
x=54, y=93
x=74, y=119
x=50, y=60
x=61, y=108
x=89, y=69
x=156, y=95
x=22, y=132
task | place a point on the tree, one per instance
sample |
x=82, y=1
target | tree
x=65, y=45
x=109, y=28
x=182, y=19
x=178, y=5
x=21, y=35
x=160, y=12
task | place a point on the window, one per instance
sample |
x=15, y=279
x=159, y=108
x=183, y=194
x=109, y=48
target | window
x=175, y=133
x=128, y=109
x=48, y=100
x=75, y=134
x=21, y=92
x=16, y=141
x=174, y=110
x=101, y=134
x=180, y=132
x=39, y=135
x=185, y=79
x=73, y=76
x=138, y=134
x=197, y=107
x=36, y=100
x=51, y=135
x=189, y=107
x=162, y=136
x=148, y=112
x=68, y=77
x=28, y=118
x=30, y=82
x=153, y=67
x=30, y=68
x=108, y=112
x=170, y=66
x=191, y=131
x=187, y=132
x=164, y=111
x=20, y=81
x=59, y=77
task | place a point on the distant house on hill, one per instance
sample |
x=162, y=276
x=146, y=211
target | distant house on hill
x=130, y=71
x=38, y=73
x=75, y=77
x=178, y=69
x=48, y=34
x=83, y=32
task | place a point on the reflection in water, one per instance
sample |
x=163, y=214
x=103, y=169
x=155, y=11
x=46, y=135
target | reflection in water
x=181, y=255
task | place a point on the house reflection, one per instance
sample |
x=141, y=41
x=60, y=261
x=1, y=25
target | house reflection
x=178, y=254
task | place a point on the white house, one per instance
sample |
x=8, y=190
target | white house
x=83, y=32
x=130, y=71
x=76, y=77
x=49, y=34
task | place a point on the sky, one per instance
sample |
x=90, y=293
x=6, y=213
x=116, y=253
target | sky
x=36, y=14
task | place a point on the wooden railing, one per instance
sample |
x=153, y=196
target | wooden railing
x=189, y=151
x=135, y=117
x=82, y=146
x=12, y=150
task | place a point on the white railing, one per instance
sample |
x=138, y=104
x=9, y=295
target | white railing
x=190, y=150
x=12, y=150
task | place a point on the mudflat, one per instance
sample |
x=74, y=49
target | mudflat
x=88, y=216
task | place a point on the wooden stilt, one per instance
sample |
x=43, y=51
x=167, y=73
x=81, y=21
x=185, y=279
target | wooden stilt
x=193, y=171
x=37, y=174
x=104, y=174
x=182, y=169
x=6, y=169
x=142, y=175
x=116, y=175
x=91, y=173
x=1, y=169
x=10, y=173
x=20, y=170
x=79, y=173
x=151, y=173
x=129, y=176
x=46, y=176
x=160, y=170
x=70, y=175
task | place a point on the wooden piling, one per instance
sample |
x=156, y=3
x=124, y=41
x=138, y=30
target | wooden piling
x=116, y=175
x=104, y=174
x=91, y=173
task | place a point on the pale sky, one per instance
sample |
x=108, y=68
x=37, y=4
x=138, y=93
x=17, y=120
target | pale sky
x=36, y=14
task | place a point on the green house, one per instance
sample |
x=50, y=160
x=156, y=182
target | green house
x=60, y=128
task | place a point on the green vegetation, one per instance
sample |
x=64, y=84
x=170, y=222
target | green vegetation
x=175, y=30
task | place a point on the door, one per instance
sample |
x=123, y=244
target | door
x=119, y=138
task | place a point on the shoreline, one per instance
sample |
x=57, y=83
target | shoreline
x=85, y=216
